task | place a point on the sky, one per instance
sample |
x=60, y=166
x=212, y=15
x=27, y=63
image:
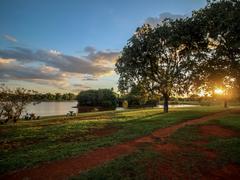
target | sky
x=72, y=45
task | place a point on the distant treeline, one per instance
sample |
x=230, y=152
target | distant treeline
x=54, y=97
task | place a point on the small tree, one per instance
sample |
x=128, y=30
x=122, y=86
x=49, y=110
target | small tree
x=137, y=96
x=105, y=98
x=13, y=102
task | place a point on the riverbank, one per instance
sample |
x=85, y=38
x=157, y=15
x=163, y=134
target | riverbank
x=34, y=143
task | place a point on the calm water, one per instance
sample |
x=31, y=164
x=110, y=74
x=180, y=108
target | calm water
x=51, y=108
x=178, y=105
x=62, y=108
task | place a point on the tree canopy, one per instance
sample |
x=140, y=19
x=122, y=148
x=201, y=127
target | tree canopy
x=218, y=24
x=180, y=55
x=97, y=98
x=155, y=58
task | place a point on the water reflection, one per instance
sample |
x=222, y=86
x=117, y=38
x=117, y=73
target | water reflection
x=51, y=108
x=62, y=108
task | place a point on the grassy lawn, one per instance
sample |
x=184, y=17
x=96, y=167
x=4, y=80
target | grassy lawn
x=126, y=167
x=199, y=155
x=228, y=148
x=28, y=143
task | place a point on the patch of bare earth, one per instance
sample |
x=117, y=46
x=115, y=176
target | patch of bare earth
x=228, y=172
x=199, y=146
x=73, y=166
x=209, y=154
x=162, y=171
x=218, y=131
x=178, y=162
x=178, y=165
x=200, y=142
x=163, y=133
x=166, y=148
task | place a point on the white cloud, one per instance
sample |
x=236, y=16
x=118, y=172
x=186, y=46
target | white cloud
x=50, y=67
x=9, y=38
x=6, y=60
x=154, y=21
x=54, y=52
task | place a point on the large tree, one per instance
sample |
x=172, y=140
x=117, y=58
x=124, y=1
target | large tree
x=218, y=57
x=157, y=58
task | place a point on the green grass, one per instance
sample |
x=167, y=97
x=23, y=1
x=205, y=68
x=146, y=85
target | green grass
x=189, y=162
x=185, y=136
x=232, y=121
x=146, y=163
x=28, y=143
x=228, y=149
x=127, y=167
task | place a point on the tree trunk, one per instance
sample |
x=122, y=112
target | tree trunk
x=225, y=103
x=165, y=104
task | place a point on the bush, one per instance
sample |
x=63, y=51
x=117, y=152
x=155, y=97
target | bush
x=152, y=102
x=13, y=102
x=97, y=98
x=125, y=104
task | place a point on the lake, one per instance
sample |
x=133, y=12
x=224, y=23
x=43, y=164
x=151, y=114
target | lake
x=62, y=108
x=51, y=108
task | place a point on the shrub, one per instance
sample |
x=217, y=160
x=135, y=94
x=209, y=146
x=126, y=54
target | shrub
x=125, y=104
x=13, y=102
x=97, y=98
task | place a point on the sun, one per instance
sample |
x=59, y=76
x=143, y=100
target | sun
x=219, y=91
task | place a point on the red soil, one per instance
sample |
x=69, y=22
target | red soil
x=163, y=133
x=209, y=154
x=162, y=171
x=200, y=142
x=199, y=146
x=146, y=139
x=166, y=148
x=73, y=166
x=228, y=172
x=218, y=131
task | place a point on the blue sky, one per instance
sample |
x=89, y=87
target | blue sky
x=52, y=39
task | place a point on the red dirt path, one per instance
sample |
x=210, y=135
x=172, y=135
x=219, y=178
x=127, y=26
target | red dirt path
x=73, y=166
x=213, y=130
x=228, y=172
